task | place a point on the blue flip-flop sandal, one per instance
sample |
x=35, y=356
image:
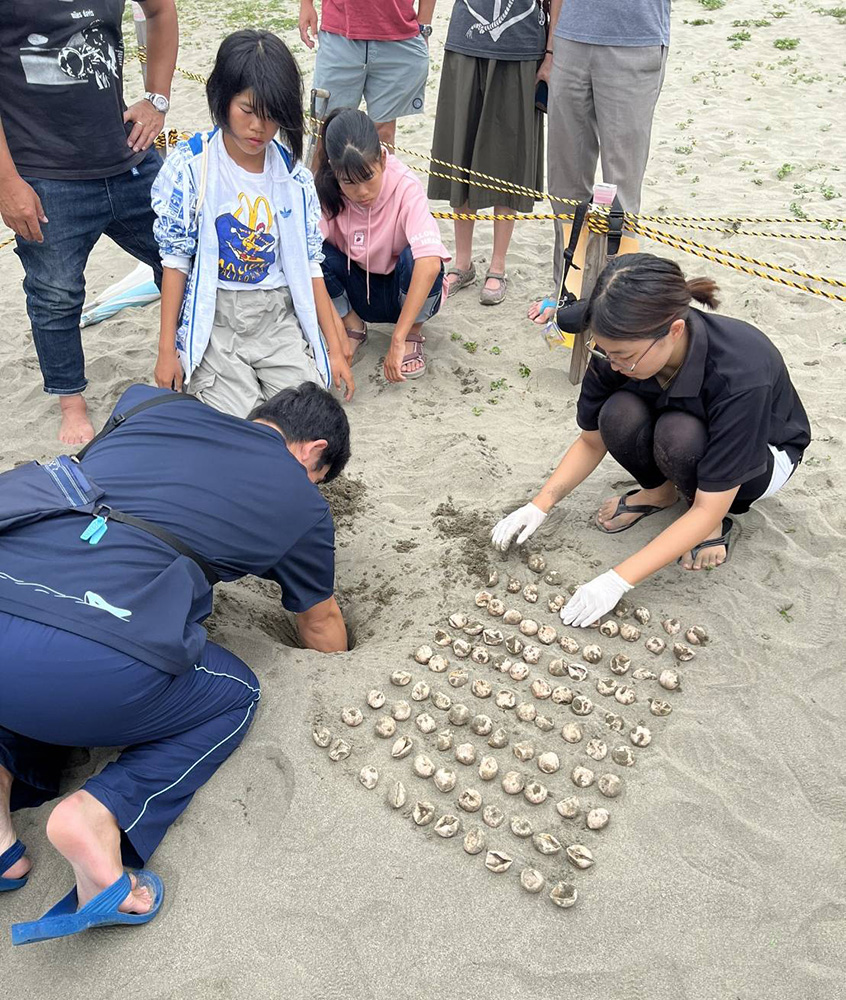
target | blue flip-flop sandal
x=102, y=911
x=7, y=859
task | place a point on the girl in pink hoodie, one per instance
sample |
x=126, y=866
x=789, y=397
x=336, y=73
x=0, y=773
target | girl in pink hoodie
x=384, y=259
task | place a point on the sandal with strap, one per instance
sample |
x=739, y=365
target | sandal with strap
x=360, y=337
x=415, y=354
x=7, y=859
x=644, y=509
x=465, y=278
x=489, y=297
x=724, y=539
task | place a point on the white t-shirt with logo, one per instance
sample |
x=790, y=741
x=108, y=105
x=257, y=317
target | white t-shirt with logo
x=245, y=222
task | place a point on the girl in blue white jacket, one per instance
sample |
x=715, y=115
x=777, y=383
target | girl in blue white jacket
x=243, y=297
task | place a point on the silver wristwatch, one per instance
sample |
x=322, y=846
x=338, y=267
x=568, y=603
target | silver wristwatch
x=425, y=30
x=159, y=102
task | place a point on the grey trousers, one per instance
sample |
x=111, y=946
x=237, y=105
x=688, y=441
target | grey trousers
x=257, y=348
x=601, y=102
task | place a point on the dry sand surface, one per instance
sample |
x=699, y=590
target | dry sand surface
x=721, y=874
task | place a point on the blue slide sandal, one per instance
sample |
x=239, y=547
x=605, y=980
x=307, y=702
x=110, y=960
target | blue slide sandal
x=7, y=859
x=102, y=911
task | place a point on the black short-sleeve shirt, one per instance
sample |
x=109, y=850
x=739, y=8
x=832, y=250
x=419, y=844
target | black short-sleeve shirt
x=61, y=88
x=735, y=380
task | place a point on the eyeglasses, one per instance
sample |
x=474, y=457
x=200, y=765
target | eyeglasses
x=596, y=352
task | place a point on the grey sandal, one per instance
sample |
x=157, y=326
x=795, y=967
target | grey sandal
x=465, y=278
x=493, y=298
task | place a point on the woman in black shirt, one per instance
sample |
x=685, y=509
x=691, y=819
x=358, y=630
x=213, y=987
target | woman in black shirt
x=691, y=404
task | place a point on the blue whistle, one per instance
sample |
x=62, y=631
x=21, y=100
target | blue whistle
x=95, y=531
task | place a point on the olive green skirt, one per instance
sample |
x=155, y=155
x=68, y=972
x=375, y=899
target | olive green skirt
x=487, y=120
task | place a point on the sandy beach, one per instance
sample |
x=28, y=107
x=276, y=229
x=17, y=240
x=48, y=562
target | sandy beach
x=720, y=875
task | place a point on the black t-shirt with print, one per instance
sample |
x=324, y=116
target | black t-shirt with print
x=61, y=88
x=514, y=30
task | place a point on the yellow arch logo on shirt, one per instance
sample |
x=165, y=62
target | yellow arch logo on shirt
x=252, y=212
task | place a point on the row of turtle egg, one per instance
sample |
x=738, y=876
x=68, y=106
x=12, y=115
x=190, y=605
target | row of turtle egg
x=507, y=699
x=513, y=782
x=499, y=861
x=531, y=654
x=696, y=635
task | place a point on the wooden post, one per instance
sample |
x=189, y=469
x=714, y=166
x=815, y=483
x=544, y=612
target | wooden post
x=596, y=257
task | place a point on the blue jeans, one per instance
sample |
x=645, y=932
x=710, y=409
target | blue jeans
x=348, y=288
x=62, y=690
x=80, y=212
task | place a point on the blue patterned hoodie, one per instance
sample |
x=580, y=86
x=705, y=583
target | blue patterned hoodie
x=188, y=240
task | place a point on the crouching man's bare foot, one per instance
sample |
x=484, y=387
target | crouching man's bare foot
x=87, y=835
x=75, y=428
x=7, y=831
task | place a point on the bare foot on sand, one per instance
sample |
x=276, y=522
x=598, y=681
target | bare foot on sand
x=7, y=831
x=76, y=428
x=87, y=835
x=663, y=496
x=539, y=315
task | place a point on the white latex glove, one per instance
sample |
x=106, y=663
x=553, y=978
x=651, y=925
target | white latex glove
x=592, y=600
x=528, y=517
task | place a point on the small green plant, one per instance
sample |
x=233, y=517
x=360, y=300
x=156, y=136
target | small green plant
x=739, y=37
x=478, y=411
x=784, y=171
x=524, y=370
x=455, y=336
x=786, y=43
x=496, y=350
x=758, y=180
x=683, y=150
x=779, y=13
x=697, y=22
x=838, y=12
x=828, y=192
x=498, y=385
x=797, y=210
x=712, y=4
x=757, y=23
x=784, y=612
x=470, y=346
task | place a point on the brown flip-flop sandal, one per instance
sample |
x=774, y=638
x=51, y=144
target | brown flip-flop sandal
x=415, y=354
x=644, y=509
x=360, y=336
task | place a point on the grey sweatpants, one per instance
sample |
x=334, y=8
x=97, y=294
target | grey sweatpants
x=601, y=102
x=257, y=348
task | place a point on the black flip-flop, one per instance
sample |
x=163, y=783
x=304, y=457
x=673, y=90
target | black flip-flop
x=644, y=509
x=724, y=539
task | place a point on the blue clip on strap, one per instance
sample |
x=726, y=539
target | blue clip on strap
x=95, y=531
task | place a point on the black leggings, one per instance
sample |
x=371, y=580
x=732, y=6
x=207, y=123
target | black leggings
x=656, y=447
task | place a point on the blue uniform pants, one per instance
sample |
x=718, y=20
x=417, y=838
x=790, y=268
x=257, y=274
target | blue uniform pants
x=59, y=690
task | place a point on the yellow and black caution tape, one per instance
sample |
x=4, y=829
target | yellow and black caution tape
x=715, y=255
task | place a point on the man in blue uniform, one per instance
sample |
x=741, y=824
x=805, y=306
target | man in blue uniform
x=103, y=592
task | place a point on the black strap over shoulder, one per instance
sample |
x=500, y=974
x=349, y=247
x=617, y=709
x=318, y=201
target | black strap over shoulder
x=158, y=532
x=616, y=218
x=117, y=419
x=579, y=216
x=103, y=510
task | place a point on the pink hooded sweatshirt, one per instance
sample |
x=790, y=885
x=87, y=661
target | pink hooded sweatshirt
x=375, y=236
